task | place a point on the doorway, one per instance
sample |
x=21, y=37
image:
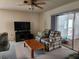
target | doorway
x=65, y=26
x=76, y=32
x=68, y=25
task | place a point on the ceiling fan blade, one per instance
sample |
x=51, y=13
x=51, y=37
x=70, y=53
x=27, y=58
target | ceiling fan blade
x=41, y=0
x=38, y=6
x=41, y=3
x=34, y=0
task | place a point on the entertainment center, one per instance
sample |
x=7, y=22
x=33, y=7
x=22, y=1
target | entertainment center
x=22, y=31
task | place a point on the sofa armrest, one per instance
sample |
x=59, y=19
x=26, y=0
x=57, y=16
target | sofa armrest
x=38, y=38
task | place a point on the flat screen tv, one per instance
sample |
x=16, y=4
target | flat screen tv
x=21, y=26
x=27, y=25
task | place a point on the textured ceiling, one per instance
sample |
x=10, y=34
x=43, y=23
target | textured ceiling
x=16, y=5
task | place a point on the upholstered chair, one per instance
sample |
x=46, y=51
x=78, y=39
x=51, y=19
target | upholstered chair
x=53, y=42
x=4, y=44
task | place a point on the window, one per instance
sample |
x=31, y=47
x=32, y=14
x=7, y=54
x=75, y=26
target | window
x=68, y=25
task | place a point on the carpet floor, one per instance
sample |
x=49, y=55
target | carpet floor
x=18, y=51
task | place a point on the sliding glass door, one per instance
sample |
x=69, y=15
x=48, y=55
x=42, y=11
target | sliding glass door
x=70, y=34
x=76, y=32
x=68, y=25
x=62, y=25
x=65, y=26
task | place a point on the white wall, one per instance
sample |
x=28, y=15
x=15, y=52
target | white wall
x=46, y=16
x=8, y=17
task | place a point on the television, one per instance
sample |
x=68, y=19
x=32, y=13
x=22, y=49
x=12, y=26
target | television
x=21, y=26
x=27, y=25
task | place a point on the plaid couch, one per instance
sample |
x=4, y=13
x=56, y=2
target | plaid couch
x=53, y=41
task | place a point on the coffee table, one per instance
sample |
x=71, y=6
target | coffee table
x=34, y=45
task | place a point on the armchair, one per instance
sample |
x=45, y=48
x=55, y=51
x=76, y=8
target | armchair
x=53, y=41
x=4, y=44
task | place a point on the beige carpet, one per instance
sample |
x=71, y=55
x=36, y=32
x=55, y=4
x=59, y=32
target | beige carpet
x=60, y=53
x=18, y=51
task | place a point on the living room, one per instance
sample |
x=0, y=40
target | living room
x=10, y=13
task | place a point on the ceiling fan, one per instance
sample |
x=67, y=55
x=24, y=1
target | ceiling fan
x=34, y=3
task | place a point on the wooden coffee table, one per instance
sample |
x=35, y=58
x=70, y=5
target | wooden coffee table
x=34, y=45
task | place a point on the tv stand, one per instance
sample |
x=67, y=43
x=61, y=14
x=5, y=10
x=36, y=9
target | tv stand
x=23, y=35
